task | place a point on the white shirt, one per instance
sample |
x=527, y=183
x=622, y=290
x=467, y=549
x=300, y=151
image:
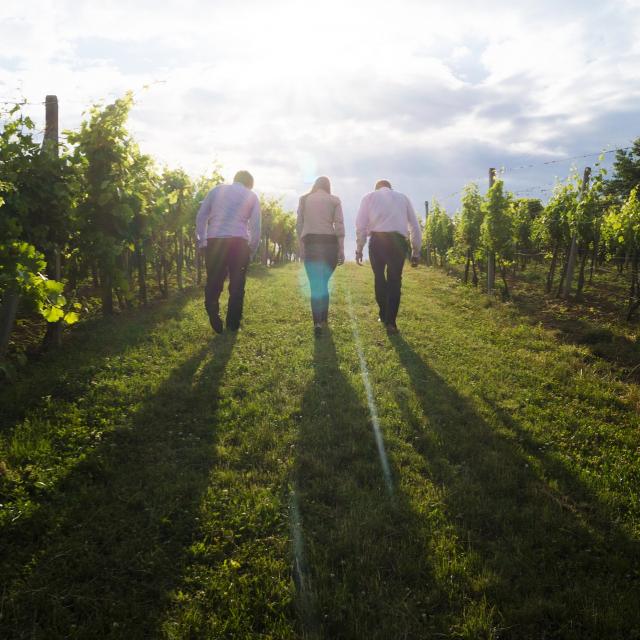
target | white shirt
x=385, y=210
x=229, y=211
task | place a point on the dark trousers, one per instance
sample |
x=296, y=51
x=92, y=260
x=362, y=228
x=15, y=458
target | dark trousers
x=387, y=252
x=320, y=261
x=226, y=256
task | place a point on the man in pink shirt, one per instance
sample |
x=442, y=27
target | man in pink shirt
x=387, y=218
x=228, y=231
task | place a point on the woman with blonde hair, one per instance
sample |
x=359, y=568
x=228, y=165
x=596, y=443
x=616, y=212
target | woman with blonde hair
x=320, y=228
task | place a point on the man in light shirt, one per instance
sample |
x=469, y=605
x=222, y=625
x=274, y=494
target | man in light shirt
x=228, y=232
x=388, y=218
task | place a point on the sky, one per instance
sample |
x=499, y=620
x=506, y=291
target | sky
x=426, y=94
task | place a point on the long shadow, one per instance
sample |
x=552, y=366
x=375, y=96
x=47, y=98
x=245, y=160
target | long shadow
x=100, y=556
x=583, y=323
x=611, y=346
x=66, y=374
x=361, y=554
x=562, y=566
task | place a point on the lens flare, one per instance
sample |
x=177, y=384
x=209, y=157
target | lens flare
x=301, y=577
x=373, y=411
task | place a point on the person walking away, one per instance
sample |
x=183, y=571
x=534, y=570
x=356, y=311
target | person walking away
x=228, y=232
x=320, y=228
x=387, y=217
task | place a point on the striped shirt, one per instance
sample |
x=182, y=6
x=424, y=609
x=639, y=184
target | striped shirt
x=229, y=211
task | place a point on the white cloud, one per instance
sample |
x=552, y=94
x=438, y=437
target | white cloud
x=429, y=94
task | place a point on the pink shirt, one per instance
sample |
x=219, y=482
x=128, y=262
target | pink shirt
x=229, y=211
x=320, y=212
x=386, y=210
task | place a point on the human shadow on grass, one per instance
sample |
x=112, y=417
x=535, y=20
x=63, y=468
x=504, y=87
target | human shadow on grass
x=99, y=557
x=66, y=374
x=563, y=568
x=360, y=552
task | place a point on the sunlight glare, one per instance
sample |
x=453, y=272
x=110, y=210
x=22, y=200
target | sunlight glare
x=373, y=410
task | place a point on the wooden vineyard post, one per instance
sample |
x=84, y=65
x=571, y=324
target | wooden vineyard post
x=53, y=335
x=427, y=244
x=491, y=256
x=573, y=251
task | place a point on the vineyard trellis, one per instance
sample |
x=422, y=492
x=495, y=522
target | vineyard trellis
x=586, y=219
x=94, y=215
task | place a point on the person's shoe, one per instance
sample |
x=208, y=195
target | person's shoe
x=392, y=330
x=317, y=330
x=233, y=327
x=216, y=323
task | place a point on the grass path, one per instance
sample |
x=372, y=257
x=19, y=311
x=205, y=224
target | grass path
x=159, y=482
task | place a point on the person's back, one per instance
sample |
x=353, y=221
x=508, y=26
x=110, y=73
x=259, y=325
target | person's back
x=384, y=206
x=230, y=209
x=318, y=214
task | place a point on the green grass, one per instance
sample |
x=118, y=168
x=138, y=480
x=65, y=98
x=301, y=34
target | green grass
x=159, y=482
x=597, y=320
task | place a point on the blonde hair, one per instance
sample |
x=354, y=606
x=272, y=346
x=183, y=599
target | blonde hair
x=321, y=183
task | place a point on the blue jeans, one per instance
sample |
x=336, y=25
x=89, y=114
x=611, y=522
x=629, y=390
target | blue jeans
x=320, y=261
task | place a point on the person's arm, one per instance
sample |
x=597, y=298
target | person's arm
x=415, y=232
x=202, y=220
x=338, y=225
x=255, y=220
x=362, y=228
